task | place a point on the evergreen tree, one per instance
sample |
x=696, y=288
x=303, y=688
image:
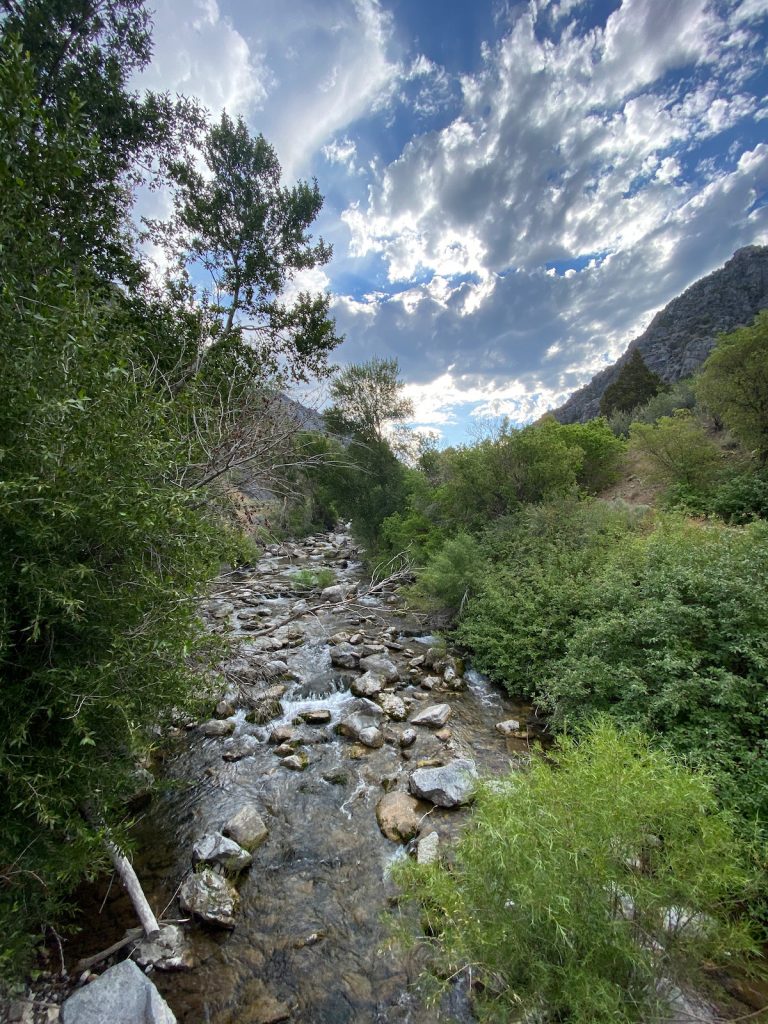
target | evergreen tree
x=634, y=386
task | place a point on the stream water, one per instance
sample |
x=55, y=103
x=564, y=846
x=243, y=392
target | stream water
x=310, y=944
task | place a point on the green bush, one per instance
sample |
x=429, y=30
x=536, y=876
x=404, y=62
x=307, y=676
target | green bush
x=742, y=498
x=677, y=450
x=313, y=579
x=451, y=575
x=603, y=453
x=580, y=884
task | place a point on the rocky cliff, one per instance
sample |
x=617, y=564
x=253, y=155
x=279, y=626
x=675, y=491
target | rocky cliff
x=681, y=336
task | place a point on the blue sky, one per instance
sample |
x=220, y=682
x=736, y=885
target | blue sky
x=512, y=188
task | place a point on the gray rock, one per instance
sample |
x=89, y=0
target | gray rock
x=408, y=738
x=393, y=707
x=247, y=828
x=510, y=727
x=380, y=666
x=318, y=716
x=344, y=655
x=244, y=746
x=436, y=715
x=210, y=897
x=451, y=785
x=217, y=727
x=296, y=762
x=335, y=593
x=224, y=709
x=122, y=995
x=427, y=848
x=371, y=737
x=367, y=685
x=168, y=952
x=214, y=848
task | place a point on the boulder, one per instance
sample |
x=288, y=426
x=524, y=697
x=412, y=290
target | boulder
x=217, y=727
x=168, y=952
x=296, y=762
x=367, y=685
x=399, y=816
x=318, y=716
x=436, y=715
x=408, y=738
x=210, y=897
x=214, y=848
x=509, y=727
x=244, y=746
x=450, y=785
x=344, y=656
x=427, y=848
x=122, y=994
x=247, y=828
x=335, y=593
x=371, y=737
x=393, y=707
x=380, y=666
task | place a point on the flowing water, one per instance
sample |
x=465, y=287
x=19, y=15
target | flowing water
x=310, y=944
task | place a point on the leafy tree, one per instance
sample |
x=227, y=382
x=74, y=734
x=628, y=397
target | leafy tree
x=582, y=883
x=634, y=385
x=366, y=398
x=603, y=453
x=677, y=450
x=733, y=384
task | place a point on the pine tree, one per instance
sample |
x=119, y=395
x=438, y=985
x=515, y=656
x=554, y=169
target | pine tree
x=634, y=386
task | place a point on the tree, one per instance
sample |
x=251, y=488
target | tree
x=366, y=398
x=634, y=385
x=734, y=384
x=677, y=450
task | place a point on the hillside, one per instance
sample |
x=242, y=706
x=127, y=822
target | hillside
x=681, y=336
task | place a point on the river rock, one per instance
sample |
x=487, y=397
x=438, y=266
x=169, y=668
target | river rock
x=168, y=952
x=335, y=593
x=408, y=738
x=214, y=848
x=266, y=706
x=281, y=734
x=393, y=707
x=371, y=737
x=450, y=785
x=296, y=762
x=367, y=685
x=380, y=666
x=217, y=727
x=429, y=682
x=399, y=816
x=122, y=994
x=318, y=716
x=247, y=828
x=221, y=611
x=436, y=715
x=427, y=848
x=344, y=655
x=510, y=727
x=244, y=746
x=210, y=897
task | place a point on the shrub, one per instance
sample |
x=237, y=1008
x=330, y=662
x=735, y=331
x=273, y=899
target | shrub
x=742, y=498
x=561, y=886
x=451, y=574
x=677, y=450
x=603, y=453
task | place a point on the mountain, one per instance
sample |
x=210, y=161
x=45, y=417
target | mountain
x=681, y=336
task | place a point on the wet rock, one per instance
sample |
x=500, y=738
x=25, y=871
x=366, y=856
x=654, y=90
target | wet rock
x=296, y=762
x=215, y=848
x=427, y=848
x=221, y=610
x=429, y=682
x=450, y=785
x=245, y=746
x=380, y=666
x=224, y=709
x=276, y=667
x=264, y=710
x=367, y=685
x=371, y=737
x=124, y=994
x=356, y=638
x=389, y=782
x=217, y=727
x=416, y=662
x=335, y=593
x=319, y=716
x=209, y=897
x=282, y=734
x=444, y=735
x=408, y=738
x=336, y=777
x=284, y=750
x=393, y=707
x=435, y=716
x=168, y=952
x=247, y=828
x=264, y=1009
x=399, y=816
x=510, y=727
x=339, y=638
x=344, y=656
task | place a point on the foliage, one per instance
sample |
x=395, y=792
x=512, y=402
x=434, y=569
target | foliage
x=451, y=574
x=677, y=450
x=311, y=580
x=634, y=385
x=733, y=384
x=534, y=583
x=603, y=453
x=583, y=882
x=680, y=395
x=742, y=498
x=366, y=398
x=673, y=637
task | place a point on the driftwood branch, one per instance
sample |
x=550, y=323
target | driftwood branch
x=132, y=886
x=132, y=935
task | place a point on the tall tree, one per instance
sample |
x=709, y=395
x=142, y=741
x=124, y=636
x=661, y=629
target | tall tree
x=634, y=386
x=366, y=398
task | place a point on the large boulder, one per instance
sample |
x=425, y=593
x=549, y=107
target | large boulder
x=380, y=666
x=210, y=897
x=367, y=685
x=436, y=715
x=399, y=816
x=214, y=848
x=168, y=952
x=122, y=995
x=448, y=786
x=393, y=707
x=246, y=828
x=344, y=655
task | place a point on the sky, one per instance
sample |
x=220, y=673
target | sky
x=512, y=189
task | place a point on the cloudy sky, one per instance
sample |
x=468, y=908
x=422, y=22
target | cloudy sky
x=512, y=188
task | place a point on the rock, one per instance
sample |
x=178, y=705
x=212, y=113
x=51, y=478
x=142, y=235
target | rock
x=399, y=816
x=296, y=762
x=217, y=727
x=393, y=707
x=509, y=727
x=416, y=662
x=247, y=828
x=245, y=746
x=210, y=897
x=371, y=737
x=224, y=709
x=367, y=685
x=344, y=656
x=408, y=738
x=221, y=611
x=319, y=716
x=436, y=715
x=340, y=638
x=444, y=735
x=265, y=708
x=168, y=952
x=451, y=785
x=429, y=682
x=381, y=667
x=284, y=750
x=122, y=995
x=214, y=848
x=389, y=782
x=364, y=714
x=335, y=593
x=276, y=667
x=427, y=848
x=433, y=655
x=281, y=734
x=336, y=777
x=356, y=638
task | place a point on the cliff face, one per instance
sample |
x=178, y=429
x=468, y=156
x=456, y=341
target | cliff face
x=681, y=336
